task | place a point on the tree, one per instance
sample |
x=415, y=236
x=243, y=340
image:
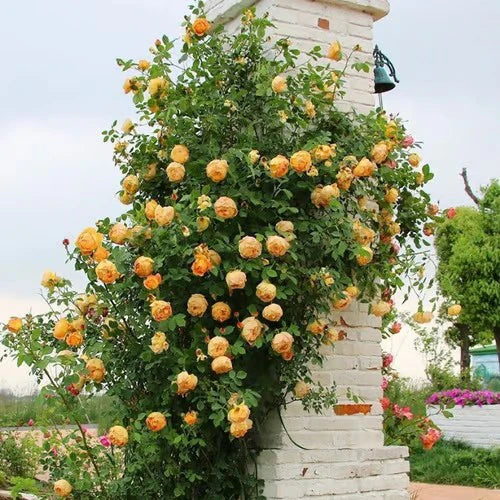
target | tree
x=468, y=248
x=251, y=201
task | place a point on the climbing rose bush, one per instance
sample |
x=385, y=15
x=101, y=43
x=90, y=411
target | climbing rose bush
x=255, y=206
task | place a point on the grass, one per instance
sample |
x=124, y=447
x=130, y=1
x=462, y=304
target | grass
x=452, y=462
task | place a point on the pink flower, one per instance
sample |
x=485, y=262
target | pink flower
x=54, y=451
x=430, y=438
x=450, y=213
x=31, y=422
x=395, y=247
x=387, y=359
x=384, y=384
x=407, y=141
x=403, y=412
x=385, y=402
x=104, y=440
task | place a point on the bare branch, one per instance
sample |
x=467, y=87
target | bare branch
x=468, y=189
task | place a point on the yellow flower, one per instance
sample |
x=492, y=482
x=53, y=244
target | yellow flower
x=50, y=279
x=414, y=159
x=191, y=418
x=282, y=342
x=160, y=310
x=362, y=234
x=278, y=166
x=352, y=291
x=126, y=198
x=14, y=325
x=221, y=312
x=159, y=343
x=236, y=280
x=419, y=178
x=100, y=254
x=197, y=305
x=202, y=223
x=217, y=170
x=88, y=241
x=272, y=312
x=143, y=266
x=391, y=195
x=366, y=257
x=279, y=84
x=249, y=247
x=334, y=51
x=238, y=413
x=179, y=154
x=157, y=86
x=343, y=302
x=266, y=291
x=106, y=271
x=344, y=178
x=323, y=152
x=310, y=109
x=186, y=382
x=204, y=202
x=238, y=430
x=379, y=152
x=364, y=168
x=284, y=227
x=118, y=233
x=118, y=435
x=62, y=488
x=391, y=129
x=149, y=209
x=96, y=369
x=74, y=338
x=381, y=308
x=323, y=195
x=200, y=26
x=225, y=208
x=143, y=65
x=127, y=126
x=454, y=310
x=316, y=327
x=277, y=245
x=423, y=317
x=251, y=329
x=131, y=85
x=253, y=156
x=175, y=172
x=214, y=257
x=201, y=265
x=301, y=161
x=150, y=172
x=301, y=389
x=222, y=364
x=156, y=421
x=164, y=215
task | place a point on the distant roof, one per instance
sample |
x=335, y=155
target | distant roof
x=487, y=349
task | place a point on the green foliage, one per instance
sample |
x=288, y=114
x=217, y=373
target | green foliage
x=451, y=462
x=222, y=106
x=23, y=485
x=18, y=455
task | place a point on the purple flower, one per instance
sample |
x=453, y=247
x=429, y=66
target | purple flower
x=104, y=440
x=465, y=397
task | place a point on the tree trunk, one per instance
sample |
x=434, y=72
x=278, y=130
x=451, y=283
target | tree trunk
x=464, y=355
x=497, y=342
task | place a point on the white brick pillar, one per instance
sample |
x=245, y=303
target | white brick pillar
x=344, y=457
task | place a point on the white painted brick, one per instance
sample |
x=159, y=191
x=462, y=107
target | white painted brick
x=357, y=377
x=395, y=466
x=360, y=32
x=385, y=482
x=370, y=362
x=338, y=362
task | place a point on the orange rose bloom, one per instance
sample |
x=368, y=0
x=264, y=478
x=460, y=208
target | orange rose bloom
x=279, y=84
x=284, y=227
x=272, y=312
x=96, y=369
x=197, y=305
x=156, y=421
x=364, y=168
x=278, y=166
x=334, y=51
x=214, y=258
x=15, y=324
x=238, y=430
x=201, y=265
x=238, y=413
x=379, y=152
x=363, y=260
x=217, y=170
x=352, y=291
x=343, y=302
x=118, y=435
x=221, y=312
x=175, y=172
x=251, y=329
x=344, y=178
x=217, y=346
x=100, y=254
x=414, y=159
x=62, y=488
x=143, y=266
x=236, y=280
x=301, y=161
x=149, y=209
x=118, y=233
x=249, y=247
x=191, y=418
x=362, y=234
x=164, y=215
x=225, y=208
x=61, y=329
x=153, y=281
x=265, y=291
x=106, y=271
x=316, y=327
x=282, y=342
x=130, y=184
x=200, y=26
x=179, y=154
x=161, y=310
x=222, y=364
x=381, y=308
x=74, y=338
x=88, y=241
x=277, y=246
x=186, y=382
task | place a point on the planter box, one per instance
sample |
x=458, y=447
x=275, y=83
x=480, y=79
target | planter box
x=475, y=425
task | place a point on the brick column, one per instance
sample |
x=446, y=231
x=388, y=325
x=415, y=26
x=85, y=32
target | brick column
x=344, y=457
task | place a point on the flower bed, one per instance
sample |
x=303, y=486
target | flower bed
x=461, y=397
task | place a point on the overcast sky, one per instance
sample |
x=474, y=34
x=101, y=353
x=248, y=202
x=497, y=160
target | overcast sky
x=60, y=88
